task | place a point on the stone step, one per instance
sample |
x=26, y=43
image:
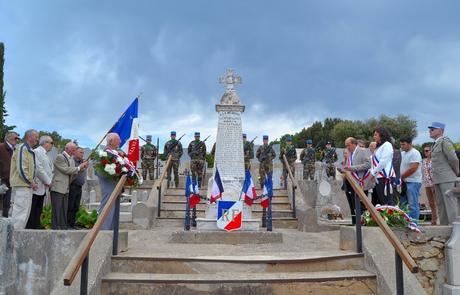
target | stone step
x=175, y=198
x=277, y=222
x=200, y=213
x=323, y=282
x=250, y=264
x=126, y=217
x=180, y=205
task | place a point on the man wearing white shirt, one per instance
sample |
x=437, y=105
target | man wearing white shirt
x=411, y=175
x=43, y=177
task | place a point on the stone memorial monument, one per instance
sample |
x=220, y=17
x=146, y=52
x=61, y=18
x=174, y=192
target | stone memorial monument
x=229, y=158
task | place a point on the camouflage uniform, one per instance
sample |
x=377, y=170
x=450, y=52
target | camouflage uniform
x=265, y=154
x=248, y=150
x=308, y=160
x=329, y=156
x=174, y=147
x=291, y=156
x=197, y=153
x=148, y=155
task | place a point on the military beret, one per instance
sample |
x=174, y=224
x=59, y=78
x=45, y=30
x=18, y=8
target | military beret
x=289, y=138
x=309, y=141
x=265, y=137
x=244, y=135
x=173, y=133
x=149, y=137
x=437, y=125
x=197, y=134
x=328, y=142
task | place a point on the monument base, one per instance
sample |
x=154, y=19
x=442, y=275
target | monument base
x=450, y=290
x=222, y=237
x=207, y=224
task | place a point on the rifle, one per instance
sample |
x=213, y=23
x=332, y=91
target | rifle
x=263, y=157
x=174, y=144
x=252, y=141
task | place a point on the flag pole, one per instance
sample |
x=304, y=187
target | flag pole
x=95, y=148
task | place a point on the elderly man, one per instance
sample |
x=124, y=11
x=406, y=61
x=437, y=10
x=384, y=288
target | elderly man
x=358, y=163
x=22, y=181
x=44, y=177
x=108, y=185
x=76, y=189
x=6, y=152
x=64, y=169
x=445, y=171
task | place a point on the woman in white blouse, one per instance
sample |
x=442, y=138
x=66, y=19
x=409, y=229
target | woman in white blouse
x=382, y=169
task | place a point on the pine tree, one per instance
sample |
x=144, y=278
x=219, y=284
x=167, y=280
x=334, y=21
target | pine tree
x=3, y=127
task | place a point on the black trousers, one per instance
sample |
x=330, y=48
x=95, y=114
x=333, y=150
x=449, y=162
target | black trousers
x=350, y=193
x=6, y=203
x=35, y=212
x=74, y=203
x=384, y=192
x=59, y=210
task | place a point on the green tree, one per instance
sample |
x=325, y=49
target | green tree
x=59, y=141
x=3, y=114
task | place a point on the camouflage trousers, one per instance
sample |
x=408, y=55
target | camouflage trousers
x=330, y=170
x=309, y=171
x=174, y=166
x=264, y=169
x=247, y=165
x=148, y=165
x=197, y=168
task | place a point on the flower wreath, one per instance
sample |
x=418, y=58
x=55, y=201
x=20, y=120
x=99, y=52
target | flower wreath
x=393, y=216
x=113, y=164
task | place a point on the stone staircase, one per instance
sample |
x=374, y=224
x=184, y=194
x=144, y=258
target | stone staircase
x=226, y=269
x=173, y=208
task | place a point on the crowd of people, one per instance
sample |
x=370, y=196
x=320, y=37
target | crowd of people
x=395, y=177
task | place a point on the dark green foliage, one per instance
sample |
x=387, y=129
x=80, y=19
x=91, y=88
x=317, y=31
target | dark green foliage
x=83, y=218
x=3, y=113
x=59, y=142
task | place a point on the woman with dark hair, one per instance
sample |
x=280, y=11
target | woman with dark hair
x=382, y=170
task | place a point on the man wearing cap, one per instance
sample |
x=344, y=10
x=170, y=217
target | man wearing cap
x=248, y=150
x=173, y=147
x=291, y=156
x=148, y=155
x=197, y=153
x=329, y=156
x=445, y=171
x=265, y=154
x=308, y=160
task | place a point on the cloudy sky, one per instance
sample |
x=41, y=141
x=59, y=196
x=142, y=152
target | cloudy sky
x=74, y=66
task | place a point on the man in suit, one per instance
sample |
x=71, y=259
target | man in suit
x=22, y=179
x=44, y=176
x=76, y=189
x=64, y=169
x=358, y=163
x=445, y=170
x=6, y=152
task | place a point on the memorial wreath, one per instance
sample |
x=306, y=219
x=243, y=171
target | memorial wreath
x=393, y=216
x=113, y=164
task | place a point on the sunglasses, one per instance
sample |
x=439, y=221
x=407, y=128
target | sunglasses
x=426, y=151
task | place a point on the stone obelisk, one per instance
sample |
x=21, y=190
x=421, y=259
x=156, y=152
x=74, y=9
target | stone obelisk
x=229, y=157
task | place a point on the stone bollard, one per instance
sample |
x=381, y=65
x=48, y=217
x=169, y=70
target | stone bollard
x=133, y=199
x=145, y=196
x=452, y=252
x=7, y=265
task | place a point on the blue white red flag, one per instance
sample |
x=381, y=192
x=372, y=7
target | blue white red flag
x=267, y=192
x=229, y=215
x=217, y=188
x=249, y=190
x=127, y=128
x=192, y=192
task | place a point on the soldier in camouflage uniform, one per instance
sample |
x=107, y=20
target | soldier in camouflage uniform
x=329, y=156
x=291, y=156
x=265, y=154
x=197, y=153
x=248, y=151
x=173, y=147
x=148, y=155
x=308, y=160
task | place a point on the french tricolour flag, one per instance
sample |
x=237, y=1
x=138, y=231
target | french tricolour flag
x=127, y=128
x=249, y=189
x=192, y=192
x=217, y=188
x=230, y=215
x=267, y=192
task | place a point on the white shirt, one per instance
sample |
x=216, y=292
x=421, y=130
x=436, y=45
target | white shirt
x=384, y=156
x=44, y=170
x=407, y=158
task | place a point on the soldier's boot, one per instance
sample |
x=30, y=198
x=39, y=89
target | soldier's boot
x=144, y=173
